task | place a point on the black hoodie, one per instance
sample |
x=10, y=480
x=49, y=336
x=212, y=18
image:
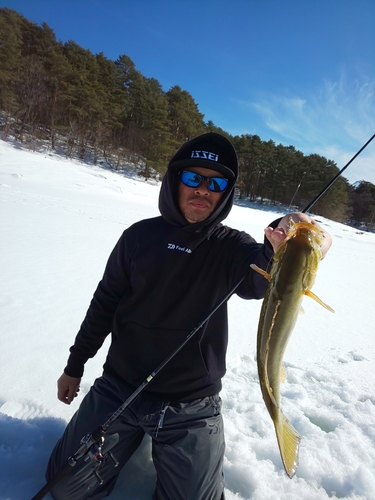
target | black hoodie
x=162, y=279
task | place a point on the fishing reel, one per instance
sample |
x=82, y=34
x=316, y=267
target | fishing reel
x=92, y=450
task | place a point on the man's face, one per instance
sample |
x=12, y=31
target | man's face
x=196, y=204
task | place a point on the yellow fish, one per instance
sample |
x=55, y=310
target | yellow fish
x=292, y=276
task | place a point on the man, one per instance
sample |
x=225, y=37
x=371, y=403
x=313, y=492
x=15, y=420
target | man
x=162, y=278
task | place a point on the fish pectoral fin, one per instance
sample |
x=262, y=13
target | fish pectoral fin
x=260, y=271
x=288, y=440
x=312, y=295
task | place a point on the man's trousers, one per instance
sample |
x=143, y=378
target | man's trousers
x=187, y=445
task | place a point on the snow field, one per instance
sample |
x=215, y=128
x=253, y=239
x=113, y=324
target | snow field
x=59, y=221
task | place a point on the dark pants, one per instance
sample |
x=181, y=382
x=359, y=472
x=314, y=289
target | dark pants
x=187, y=445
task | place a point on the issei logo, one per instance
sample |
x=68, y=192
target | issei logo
x=205, y=155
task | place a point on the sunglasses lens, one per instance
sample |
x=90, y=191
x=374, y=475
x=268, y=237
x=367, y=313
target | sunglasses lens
x=193, y=180
x=217, y=184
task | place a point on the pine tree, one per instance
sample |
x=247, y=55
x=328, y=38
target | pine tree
x=362, y=198
x=10, y=57
x=86, y=109
x=155, y=131
x=249, y=154
x=185, y=119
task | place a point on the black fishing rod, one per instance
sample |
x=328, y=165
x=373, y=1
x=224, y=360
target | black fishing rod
x=335, y=177
x=91, y=445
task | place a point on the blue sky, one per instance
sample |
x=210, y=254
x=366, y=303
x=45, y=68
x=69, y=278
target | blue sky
x=299, y=72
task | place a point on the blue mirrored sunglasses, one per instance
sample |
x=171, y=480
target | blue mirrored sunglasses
x=193, y=180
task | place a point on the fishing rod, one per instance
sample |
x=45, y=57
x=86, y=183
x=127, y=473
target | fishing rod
x=91, y=445
x=335, y=177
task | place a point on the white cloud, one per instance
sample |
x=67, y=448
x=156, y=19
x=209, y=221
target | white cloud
x=335, y=120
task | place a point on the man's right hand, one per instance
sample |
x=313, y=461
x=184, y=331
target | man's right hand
x=67, y=388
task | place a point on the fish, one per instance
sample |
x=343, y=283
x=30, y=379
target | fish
x=291, y=277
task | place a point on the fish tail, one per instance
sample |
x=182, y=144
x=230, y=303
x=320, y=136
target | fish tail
x=288, y=440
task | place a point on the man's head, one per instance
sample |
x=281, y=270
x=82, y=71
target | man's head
x=199, y=183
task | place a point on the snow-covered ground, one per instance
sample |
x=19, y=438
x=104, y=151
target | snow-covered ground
x=59, y=220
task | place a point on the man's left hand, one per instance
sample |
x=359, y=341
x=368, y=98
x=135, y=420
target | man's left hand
x=277, y=235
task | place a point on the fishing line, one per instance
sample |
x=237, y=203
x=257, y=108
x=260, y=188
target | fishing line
x=335, y=177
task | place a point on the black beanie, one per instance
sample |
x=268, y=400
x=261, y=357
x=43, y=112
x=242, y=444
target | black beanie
x=212, y=151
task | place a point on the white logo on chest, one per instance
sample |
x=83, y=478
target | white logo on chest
x=172, y=246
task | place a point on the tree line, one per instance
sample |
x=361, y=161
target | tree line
x=89, y=106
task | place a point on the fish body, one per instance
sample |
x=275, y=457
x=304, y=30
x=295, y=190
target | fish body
x=292, y=276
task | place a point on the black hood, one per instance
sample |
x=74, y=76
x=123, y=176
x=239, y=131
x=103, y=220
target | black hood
x=212, y=151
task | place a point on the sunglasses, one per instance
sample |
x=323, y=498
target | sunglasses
x=193, y=180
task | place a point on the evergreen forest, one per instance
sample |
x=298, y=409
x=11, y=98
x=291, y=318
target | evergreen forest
x=88, y=106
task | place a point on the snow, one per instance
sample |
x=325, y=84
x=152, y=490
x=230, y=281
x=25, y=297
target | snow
x=59, y=221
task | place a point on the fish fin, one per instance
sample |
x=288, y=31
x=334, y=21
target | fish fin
x=282, y=373
x=260, y=271
x=288, y=440
x=301, y=311
x=312, y=295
